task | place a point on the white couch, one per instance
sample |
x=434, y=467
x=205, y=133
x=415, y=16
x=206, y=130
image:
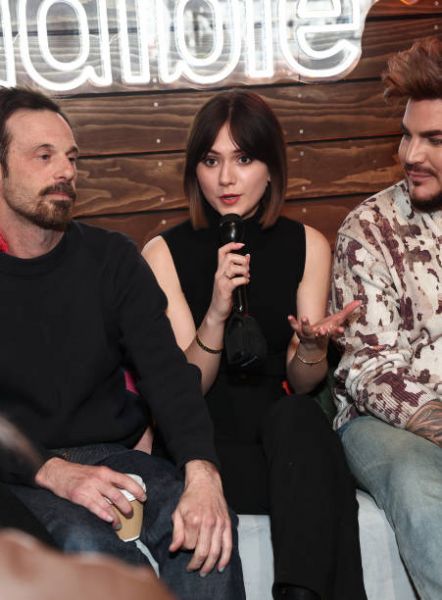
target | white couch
x=384, y=575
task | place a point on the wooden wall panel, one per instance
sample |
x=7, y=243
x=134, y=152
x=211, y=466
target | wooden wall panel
x=344, y=167
x=342, y=137
x=384, y=37
x=152, y=122
x=324, y=214
x=139, y=124
x=136, y=184
x=410, y=8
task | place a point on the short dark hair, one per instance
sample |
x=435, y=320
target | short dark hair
x=256, y=131
x=20, y=98
x=416, y=73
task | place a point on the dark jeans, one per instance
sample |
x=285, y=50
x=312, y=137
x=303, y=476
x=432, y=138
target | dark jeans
x=15, y=515
x=75, y=529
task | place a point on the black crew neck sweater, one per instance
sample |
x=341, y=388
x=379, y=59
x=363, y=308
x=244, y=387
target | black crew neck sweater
x=70, y=322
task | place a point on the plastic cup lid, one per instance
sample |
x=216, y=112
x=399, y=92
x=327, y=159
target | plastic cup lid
x=140, y=482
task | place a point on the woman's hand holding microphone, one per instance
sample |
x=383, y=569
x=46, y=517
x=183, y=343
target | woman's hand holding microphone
x=233, y=270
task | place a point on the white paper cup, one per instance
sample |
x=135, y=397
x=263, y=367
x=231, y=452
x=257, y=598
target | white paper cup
x=131, y=526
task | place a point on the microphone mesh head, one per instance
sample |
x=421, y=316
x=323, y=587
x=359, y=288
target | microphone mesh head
x=231, y=229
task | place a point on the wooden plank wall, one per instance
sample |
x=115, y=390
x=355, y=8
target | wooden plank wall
x=342, y=138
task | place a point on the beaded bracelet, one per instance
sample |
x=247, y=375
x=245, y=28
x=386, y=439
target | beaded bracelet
x=206, y=348
x=309, y=362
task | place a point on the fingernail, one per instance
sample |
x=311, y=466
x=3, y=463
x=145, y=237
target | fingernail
x=221, y=569
x=202, y=575
x=117, y=526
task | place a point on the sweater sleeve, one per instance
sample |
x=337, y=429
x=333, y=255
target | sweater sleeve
x=165, y=380
x=377, y=370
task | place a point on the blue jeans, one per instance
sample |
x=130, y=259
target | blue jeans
x=403, y=472
x=75, y=529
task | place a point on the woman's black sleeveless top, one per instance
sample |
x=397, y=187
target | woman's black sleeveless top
x=237, y=403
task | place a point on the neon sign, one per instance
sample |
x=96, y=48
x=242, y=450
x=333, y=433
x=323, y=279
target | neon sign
x=82, y=45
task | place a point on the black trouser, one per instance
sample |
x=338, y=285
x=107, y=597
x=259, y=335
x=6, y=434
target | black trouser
x=298, y=474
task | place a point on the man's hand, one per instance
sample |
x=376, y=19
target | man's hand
x=90, y=486
x=427, y=422
x=201, y=520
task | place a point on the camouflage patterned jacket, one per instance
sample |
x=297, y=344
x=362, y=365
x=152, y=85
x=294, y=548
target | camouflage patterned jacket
x=388, y=255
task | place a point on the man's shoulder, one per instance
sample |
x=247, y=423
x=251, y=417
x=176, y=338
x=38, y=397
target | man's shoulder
x=99, y=240
x=380, y=207
x=105, y=252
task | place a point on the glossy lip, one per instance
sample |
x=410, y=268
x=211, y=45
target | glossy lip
x=230, y=198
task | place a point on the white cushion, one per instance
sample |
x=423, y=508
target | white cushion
x=384, y=575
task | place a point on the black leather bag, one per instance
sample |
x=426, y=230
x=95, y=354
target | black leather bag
x=244, y=344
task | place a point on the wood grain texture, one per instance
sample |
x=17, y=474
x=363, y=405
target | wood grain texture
x=389, y=8
x=325, y=215
x=152, y=122
x=141, y=183
x=342, y=137
x=384, y=37
x=139, y=124
x=348, y=166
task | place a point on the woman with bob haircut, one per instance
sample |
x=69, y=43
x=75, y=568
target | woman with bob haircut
x=279, y=456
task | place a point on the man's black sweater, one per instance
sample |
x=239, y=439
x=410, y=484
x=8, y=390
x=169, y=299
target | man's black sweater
x=70, y=322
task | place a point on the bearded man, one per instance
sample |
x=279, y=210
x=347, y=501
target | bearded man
x=389, y=381
x=78, y=306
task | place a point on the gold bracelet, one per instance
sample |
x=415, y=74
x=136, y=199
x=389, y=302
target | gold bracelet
x=309, y=362
x=206, y=348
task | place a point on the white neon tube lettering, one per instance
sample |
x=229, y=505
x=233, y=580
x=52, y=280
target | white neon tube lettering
x=305, y=13
x=143, y=43
x=8, y=45
x=88, y=72
x=184, y=67
x=267, y=47
x=42, y=31
x=350, y=51
x=269, y=32
x=180, y=28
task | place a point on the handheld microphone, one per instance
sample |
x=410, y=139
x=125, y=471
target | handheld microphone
x=231, y=229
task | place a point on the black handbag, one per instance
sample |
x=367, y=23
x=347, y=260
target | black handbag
x=244, y=344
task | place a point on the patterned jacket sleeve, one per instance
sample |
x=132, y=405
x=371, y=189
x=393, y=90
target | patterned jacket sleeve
x=377, y=374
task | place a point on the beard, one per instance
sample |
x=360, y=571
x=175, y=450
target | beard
x=428, y=204
x=51, y=214
x=47, y=213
